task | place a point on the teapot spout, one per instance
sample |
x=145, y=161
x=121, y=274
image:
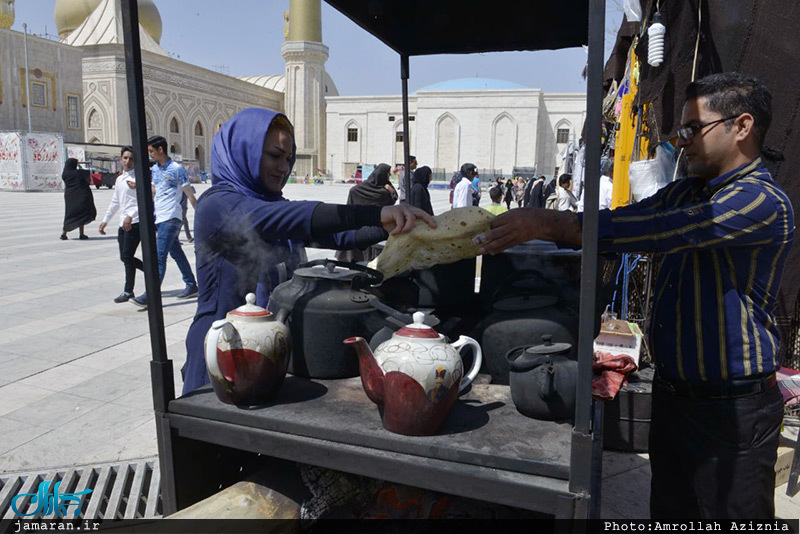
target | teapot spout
x=372, y=376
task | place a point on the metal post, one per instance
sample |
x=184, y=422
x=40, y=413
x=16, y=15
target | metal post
x=161, y=367
x=27, y=76
x=163, y=384
x=581, y=453
x=406, y=134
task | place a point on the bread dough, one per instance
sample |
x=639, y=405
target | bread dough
x=424, y=247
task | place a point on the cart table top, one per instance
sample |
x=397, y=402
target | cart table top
x=483, y=429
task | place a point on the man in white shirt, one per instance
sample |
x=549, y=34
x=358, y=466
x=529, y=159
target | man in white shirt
x=606, y=183
x=124, y=201
x=463, y=193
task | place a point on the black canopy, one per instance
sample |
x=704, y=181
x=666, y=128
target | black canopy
x=424, y=27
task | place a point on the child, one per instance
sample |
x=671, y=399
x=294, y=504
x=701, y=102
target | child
x=496, y=208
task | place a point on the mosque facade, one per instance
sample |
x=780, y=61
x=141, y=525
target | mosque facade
x=496, y=125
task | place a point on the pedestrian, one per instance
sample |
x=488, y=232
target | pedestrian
x=722, y=236
x=476, y=188
x=401, y=187
x=496, y=196
x=420, y=196
x=377, y=191
x=606, y=183
x=184, y=209
x=79, y=207
x=508, y=197
x=250, y=238
x=170, y=182
x=464, y=193
x=533, y=193
x=124, y=201
x=564, y=198
x=454, y=181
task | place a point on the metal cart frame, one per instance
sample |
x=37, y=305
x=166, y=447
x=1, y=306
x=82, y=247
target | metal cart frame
x=199, y=456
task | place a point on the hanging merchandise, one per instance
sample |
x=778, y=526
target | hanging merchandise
x=633, y=10
x=627, y=148
x=655, y=41
x=648, y=176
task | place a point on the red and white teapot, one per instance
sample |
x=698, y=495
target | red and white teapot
x=415, y=376
x=247, y=354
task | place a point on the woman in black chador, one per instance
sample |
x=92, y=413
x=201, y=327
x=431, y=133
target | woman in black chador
x=79, y=202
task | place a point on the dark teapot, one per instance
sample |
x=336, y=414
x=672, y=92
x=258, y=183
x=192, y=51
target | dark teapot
x=543, y=380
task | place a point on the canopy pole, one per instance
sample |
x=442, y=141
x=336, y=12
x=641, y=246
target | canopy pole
x=406, y=132
x=581, y=454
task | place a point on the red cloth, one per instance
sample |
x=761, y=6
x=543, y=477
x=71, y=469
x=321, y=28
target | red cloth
x=789, y=382
x=610, y=372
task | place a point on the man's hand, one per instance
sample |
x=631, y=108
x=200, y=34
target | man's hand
x=102, y=228
x=127, y=223
x=402, y=218
x=521, y=225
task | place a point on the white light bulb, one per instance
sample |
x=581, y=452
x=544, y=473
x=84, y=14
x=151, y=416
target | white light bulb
x=655, y=42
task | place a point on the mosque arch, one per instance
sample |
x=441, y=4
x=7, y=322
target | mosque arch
x=398, y=135
x=353, y=139
x=448, y=132
x=174, y=125
x=504, y=143
x=200, y=156
x=563, y=131
x=175, y=148
x=96, y=120
x=198, y=129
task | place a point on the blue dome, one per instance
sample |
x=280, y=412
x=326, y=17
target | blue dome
x=471, y=84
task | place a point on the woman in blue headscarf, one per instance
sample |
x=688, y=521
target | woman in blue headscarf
x=248, y=237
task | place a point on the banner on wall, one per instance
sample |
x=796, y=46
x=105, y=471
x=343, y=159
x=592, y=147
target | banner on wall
x=77, y=152
x=31, y=161
x=11, y=162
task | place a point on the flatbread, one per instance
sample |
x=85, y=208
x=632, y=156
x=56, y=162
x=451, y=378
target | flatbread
x=424, y=247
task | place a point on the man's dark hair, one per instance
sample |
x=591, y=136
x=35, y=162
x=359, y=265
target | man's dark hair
x=731, y=94
x=412, y=158
x=126, y=148
x=158, y=142
x=495, y=194
x=564, y=179
x=607, y=167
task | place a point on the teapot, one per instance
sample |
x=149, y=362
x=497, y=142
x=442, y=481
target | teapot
x=247, y=354
x=543, y=380
x=415, y=377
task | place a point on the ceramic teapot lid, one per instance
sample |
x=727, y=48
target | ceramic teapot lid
x=418, y=329
x=250, y=309
x=548, y=348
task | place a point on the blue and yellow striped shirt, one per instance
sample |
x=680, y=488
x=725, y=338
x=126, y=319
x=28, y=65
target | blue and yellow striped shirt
x=722, y=247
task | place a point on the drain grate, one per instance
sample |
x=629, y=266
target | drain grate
x=120, y=490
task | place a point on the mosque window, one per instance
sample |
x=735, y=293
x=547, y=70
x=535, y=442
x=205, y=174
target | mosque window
x=198, y=129
x=562, y=135
x=391, y=118
x=173, y=126
x=352, y=134
x=73, y=112
x=39, y=94
x=94, y=119
x=399, y=136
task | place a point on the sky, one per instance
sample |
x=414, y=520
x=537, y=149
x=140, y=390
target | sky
x=247, y=40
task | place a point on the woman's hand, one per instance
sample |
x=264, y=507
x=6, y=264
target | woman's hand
x=402, y=218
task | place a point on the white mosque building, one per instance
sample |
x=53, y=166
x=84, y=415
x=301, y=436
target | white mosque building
x=494, y=124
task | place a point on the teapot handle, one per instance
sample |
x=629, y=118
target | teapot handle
x=211, y=347
x=476, y=361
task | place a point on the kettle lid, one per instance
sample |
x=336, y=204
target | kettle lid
x=418, y=329
x=328, y=271
x=250, y=309
x=548, y=348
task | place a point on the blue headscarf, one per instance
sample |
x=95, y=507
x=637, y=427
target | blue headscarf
x=236, y=153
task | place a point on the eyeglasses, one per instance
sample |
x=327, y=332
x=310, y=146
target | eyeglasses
x=687, y=132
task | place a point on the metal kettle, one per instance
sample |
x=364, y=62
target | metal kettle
x=543, y=380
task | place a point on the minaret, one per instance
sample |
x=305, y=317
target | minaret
x=305, y=57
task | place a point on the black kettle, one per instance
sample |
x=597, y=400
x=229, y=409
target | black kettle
x=543, y=380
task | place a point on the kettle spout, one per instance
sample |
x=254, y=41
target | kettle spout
x=371, y=374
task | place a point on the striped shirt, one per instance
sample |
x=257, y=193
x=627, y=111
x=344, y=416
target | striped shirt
x=721, y=247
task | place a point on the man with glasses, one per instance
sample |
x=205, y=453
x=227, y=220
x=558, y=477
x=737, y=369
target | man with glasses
x=723, y=235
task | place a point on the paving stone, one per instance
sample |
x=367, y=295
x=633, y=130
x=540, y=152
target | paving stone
x=15, y=395
x=108, y=387
x=62, y=377
x=55, y=410
x=14, y=433
x=24, y=366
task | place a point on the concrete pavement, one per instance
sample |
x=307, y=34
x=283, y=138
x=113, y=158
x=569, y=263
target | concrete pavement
x=75, y=380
